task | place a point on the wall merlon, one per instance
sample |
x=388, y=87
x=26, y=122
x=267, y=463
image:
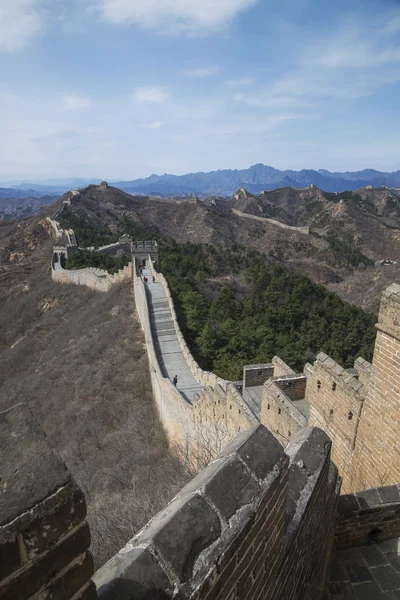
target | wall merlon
x=203, y=526
x=43, y=532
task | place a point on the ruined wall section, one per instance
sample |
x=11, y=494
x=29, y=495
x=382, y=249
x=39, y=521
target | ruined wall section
x=377, y=453
x=336, y=401
x=248, y=526
x=44, y=536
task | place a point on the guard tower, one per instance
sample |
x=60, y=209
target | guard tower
x=143, y=250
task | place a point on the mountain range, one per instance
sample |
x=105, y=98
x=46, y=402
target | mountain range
x=225, y=182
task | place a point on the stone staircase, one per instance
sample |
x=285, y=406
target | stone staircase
x=166, y=344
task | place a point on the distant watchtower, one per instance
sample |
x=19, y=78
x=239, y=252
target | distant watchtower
x=103, y=185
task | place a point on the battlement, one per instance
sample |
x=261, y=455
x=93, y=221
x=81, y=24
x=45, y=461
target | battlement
x=44, y=537
x=245, y=525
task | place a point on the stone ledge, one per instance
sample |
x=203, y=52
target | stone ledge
x=182, y=543
x=370, y=499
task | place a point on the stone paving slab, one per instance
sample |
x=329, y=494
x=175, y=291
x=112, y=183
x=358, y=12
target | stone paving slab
x=366, y=573
x=169, y=353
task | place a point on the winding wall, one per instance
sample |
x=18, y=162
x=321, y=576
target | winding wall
x=200, y=428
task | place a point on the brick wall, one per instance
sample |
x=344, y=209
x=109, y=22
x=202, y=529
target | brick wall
x=44, y=537
x=281, y=368
x=200, y=430
x=279, y=414
x=249, y=526
x=336, y=399
x=257, y=374
x=313, y=493
x=364, y=370
x=377, y=454
x=375, y=511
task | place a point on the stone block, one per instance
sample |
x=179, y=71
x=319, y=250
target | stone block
x=71, y=581
x=181, y=532
x=348, y=504
x=35, y=472
x=133, y=574
x=368, y=499
x=389, y=494
x=222, y=475
x=47, y=567
x=259, y=450
x=309, y=449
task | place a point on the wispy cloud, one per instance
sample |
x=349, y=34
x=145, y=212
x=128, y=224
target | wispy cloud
x=238, y=82
x=153, y=125
x=74, y=102
x=201, y=72
x=173, y=16
x=20, y=23
x=150, y=95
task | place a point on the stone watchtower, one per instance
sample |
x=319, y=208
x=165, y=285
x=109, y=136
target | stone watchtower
x=103, y=185
x=377, y=453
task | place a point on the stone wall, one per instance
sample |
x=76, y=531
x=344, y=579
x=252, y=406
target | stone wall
x=203, y=377
x=377, y=452
x=249, y=526
x=257, y=374
x=44, y=537
x=200, y=430
x=364, y=370
x=368, y=516
x=281, y=368
x=278, y=412
x=96, y=279
x=336, y=400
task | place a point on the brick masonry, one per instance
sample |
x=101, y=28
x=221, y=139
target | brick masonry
x=377, y=453
x=44, y=537
x=336, y=400
x=369, y=516
x=244, y=528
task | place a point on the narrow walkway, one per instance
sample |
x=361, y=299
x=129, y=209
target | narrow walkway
x=168, y=350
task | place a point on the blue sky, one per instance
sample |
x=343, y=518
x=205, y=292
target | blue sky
x=120, y=89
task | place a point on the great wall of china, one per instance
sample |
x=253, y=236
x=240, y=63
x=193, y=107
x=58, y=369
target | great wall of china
x=264, y=517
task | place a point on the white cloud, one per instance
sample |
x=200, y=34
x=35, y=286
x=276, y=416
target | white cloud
x=153, y=125
x=73, y=102
x=150, y=95
x=173, y=16
x=20, y=22
x=238, y=82
x=205, y=72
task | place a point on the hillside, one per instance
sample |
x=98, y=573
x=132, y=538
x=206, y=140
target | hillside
x=16, y=207
x=77, y=358
x=348, y=232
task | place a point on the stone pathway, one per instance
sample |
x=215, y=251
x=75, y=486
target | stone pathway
x=366, y=573
x=168, y=350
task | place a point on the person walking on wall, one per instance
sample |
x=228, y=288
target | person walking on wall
x=175, y=380
x=154, y=279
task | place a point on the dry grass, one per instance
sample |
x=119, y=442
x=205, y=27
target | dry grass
x=76, y=357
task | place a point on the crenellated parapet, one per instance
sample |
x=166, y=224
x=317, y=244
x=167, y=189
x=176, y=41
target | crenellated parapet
x=249, y=525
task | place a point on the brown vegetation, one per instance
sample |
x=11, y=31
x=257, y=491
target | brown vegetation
x=76, y=357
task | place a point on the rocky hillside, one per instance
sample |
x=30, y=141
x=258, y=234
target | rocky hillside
x=77, y=358
x=348, y=232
